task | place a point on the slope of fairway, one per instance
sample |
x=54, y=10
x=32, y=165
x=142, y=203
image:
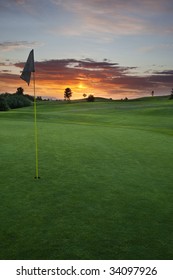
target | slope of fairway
x=106, y=181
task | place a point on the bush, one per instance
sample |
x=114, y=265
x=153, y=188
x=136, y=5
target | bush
x=91, y=98
x=30, y=97
x=13, y=101
x=171, y=96
x=3, y=104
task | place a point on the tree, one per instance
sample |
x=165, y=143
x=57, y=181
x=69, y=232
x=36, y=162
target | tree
x=13, y=101
x=3, y=104
x=171, y=96
x=152, y=93
x=91, y=98
x=39, y=98
x=84, y=95
x=67, y=94
x=30, y=97
x=20, y=91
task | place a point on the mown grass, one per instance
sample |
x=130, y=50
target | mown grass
x=106, y=181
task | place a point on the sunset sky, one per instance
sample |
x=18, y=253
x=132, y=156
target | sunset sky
x=109, y=48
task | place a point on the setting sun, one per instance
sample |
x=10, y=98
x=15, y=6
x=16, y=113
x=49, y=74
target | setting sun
x=81, y=86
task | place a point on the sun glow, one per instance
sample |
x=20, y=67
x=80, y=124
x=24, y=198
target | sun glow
x=81, y=86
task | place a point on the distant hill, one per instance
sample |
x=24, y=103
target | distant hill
x=151, y=98
x=145, y=98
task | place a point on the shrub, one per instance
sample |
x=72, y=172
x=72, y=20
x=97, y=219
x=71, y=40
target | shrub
x=13, y=101
x=91, y=98
x=3, y=104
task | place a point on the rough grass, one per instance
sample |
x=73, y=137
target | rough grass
x=106, y=181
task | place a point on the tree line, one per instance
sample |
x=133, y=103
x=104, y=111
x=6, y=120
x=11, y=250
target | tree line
x=19, y=99
x=16, y=100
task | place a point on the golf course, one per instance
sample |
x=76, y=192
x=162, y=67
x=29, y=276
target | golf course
x=106, y=181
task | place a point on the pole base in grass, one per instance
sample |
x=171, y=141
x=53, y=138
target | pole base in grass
x=36, y=177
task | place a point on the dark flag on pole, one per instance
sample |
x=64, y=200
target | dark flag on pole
x=28, y=68
x=26, y=76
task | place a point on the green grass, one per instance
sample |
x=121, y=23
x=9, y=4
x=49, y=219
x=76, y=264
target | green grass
x=106, y=181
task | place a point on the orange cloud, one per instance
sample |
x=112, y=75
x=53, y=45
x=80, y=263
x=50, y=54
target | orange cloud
x=101, y=78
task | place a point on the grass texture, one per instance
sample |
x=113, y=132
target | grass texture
x=106, y=181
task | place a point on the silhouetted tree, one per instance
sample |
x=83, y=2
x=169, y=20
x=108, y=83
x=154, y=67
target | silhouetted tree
x=67, y=94
x=84, y=95
x=30, y=97
x=152, y=93
x=91, y=98
x=20, y=91
x=171, y=96
x=39, y=98
x=3, y=104
x=13, y=101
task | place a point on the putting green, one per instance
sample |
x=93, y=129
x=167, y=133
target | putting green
x=106, y=181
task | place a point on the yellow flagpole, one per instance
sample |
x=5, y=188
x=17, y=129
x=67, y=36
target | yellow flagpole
x=35, y=132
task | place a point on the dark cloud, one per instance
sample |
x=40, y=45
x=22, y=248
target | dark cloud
x=85, y=70
x=8, y=82
x=5, y=71
x=99, y=74
x=8, y=77
x=2, y=64
x=165, y=72
x=8, y=45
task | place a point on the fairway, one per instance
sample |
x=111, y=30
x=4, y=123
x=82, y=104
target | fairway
x=106, y=187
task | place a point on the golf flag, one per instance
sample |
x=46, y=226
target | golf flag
x=28, y=68
x=26, y=76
